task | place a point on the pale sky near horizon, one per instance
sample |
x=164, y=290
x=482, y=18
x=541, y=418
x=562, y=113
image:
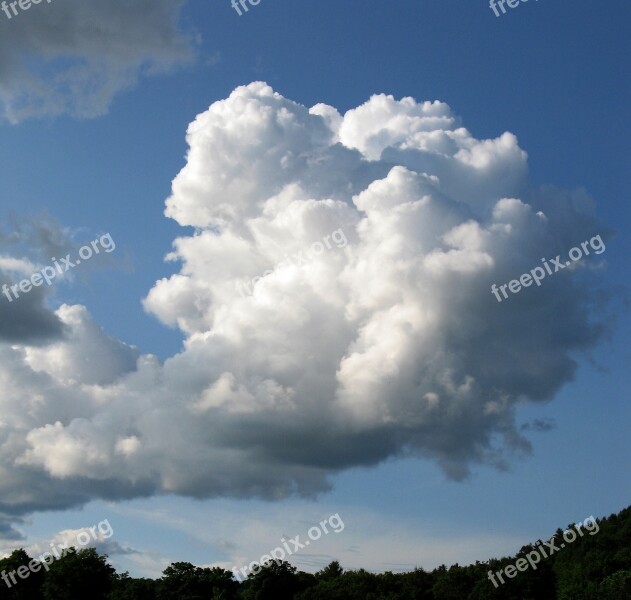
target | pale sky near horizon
x=440, y=149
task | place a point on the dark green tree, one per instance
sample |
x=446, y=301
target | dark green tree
x=616, y=586
x=82, y=575
x=332, y=571
x=12, y=586
x=184, y=581
x=277, y=580
x=127, y=588
x=453, y=584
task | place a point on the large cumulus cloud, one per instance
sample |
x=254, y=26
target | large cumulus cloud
x=74, y=56
x=386, y=342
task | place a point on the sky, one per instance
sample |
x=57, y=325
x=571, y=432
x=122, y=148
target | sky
x=300, y=212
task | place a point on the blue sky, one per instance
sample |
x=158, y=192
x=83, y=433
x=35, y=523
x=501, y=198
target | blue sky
x=554, y=74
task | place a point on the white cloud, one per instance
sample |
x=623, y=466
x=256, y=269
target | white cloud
x=391, y=343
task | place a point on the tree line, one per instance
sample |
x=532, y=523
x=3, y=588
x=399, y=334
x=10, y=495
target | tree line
x=594, y=567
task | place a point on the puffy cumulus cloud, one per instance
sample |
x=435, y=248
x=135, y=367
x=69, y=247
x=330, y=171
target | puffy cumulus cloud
x=87, y=355
x=74, y=56
x=367, y=243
